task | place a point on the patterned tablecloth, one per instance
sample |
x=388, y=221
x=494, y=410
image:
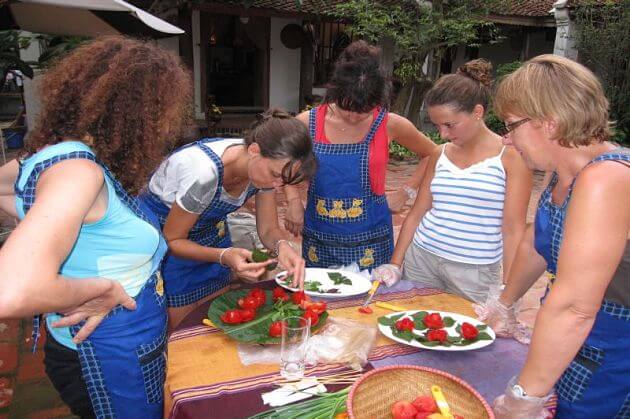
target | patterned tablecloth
x=205, y=377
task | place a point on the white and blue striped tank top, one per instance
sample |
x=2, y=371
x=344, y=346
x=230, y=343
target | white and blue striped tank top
x=465, y=221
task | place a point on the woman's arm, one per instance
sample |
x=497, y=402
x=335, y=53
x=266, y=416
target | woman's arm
x=526, y=268
x=8, y=176
x=423, y=203
x=517, y=193
x=294, y=217
x=32, y=255
x=401, y=130
x=595, y=237
x=273, y=236
x=176, y=228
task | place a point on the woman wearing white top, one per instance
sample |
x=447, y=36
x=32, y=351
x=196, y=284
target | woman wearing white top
x=470, y=211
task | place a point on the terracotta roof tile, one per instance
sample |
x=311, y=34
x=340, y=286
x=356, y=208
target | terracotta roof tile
x=532, y=8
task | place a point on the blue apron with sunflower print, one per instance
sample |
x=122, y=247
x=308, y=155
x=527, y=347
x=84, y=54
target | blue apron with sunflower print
x=123, y=362
x=187, y=281
x=597, y=382
x=345, y=221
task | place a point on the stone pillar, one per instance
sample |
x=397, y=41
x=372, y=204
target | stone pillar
x=565, y=43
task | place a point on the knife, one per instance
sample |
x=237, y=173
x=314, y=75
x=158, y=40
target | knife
x=364, y=307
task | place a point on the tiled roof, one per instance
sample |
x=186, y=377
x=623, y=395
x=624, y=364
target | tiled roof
x=308, y=6
x=530, y=8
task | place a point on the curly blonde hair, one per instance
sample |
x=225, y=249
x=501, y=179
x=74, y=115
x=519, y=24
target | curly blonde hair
x=130, y=98
x=550, y=87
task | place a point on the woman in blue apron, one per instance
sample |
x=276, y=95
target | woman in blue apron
x=89, y=256
x=556, y=115
x=198, y=185
x=347, y=218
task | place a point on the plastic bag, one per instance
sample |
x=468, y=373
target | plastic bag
x=339, y=341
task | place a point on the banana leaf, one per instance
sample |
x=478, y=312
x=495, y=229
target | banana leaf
x=257, y=330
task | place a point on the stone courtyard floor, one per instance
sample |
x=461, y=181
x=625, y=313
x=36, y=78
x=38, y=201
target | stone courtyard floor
x=26, y=392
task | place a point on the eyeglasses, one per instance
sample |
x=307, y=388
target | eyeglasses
x=513, y=125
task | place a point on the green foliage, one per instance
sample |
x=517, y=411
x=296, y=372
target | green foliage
x=507, y=68
x=56, y=47
x=418, y=28
x=399, y=152
x=10, y=44
x=603, y=41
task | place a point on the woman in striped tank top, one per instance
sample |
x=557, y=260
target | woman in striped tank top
x=470, y=212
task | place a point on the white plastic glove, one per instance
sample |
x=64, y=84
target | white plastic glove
x=387, y=273
x=502, y=319
x=513, y=406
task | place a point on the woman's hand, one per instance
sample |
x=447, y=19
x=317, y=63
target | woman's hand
x=294, y=217
x=93, y=311
x=290, y=260
x=512, y=405
x=502, y=318
x=241, y=263
x=396, y=200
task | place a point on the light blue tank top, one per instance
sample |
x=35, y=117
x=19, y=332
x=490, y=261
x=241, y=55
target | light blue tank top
x=120, y=246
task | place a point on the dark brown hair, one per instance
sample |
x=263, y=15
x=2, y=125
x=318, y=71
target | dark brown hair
x=358, y=84
x=470, y=86
x=128, y=97
x=281, y=136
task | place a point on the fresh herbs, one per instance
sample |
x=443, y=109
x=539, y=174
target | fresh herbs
x=324, y=405
x=339, y=279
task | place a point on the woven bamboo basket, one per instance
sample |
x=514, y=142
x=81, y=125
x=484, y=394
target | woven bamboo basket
x=373, y=395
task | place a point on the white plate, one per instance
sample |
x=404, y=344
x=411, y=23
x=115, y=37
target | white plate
x=360, y=284
x=459, y=319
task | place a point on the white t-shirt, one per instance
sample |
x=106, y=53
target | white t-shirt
x=190, y=178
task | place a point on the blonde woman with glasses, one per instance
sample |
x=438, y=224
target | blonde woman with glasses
x=557, y=118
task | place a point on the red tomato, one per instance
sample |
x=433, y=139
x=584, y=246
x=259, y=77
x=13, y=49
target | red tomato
x=280, y=294
x=275, y=330
x=318, y=308
x=298, y=297
x=232, y=317
x=437, y=335
x=425, y=404
x=469, y=331
x=422, y=415
x=249, y=302
x=402, y=409
x=308, y=314
x=433, y=321
x=405, y=324
x=247, y=314
x=366, y=310
x=259, y=295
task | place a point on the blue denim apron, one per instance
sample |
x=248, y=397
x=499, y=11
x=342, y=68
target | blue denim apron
x=345, y=221
x=188, y=281
x=123, y=362
x=597, y=382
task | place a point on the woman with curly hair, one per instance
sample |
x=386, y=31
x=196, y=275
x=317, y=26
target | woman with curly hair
x=89, y=257
x=194, y=190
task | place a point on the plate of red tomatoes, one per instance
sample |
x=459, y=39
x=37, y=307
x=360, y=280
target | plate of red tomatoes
x=257, y=315
x=436, y=330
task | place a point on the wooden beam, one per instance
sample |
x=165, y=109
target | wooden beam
x=239, y=10
x=545, y=22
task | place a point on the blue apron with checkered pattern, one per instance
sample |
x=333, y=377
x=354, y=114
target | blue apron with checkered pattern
x=123, y=362
x=345, y=221
x=597, y=382
x=188, y=281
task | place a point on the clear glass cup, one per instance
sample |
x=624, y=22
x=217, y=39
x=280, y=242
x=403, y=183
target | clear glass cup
x=295, y=334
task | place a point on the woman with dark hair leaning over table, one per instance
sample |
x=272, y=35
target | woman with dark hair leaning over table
x=556, y=116
x=83, y=251
x=195, y=188
x=347, y=217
